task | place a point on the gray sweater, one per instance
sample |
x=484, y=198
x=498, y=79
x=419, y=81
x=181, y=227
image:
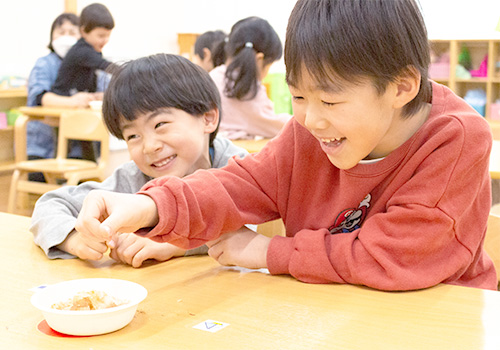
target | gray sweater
x=55, y=212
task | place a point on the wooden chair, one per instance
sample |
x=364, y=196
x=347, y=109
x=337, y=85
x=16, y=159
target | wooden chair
x=492, y=241
x=74, y=125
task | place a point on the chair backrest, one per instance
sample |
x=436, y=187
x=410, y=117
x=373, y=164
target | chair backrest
x=492, y=241
x=84, y=126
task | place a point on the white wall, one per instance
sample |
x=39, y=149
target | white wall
x=145, y=27
x=461, y=19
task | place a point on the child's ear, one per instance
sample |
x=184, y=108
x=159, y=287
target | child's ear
x=211, y=119
x=207, y=55
x=407, y=87
x=259, y=60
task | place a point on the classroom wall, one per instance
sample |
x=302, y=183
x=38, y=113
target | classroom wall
x=150, y=26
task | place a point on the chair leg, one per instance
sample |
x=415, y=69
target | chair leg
x=12, y=203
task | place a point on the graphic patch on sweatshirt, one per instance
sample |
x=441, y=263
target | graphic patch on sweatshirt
x=350, y=219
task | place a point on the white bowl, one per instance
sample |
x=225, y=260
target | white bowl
x=96, y=105
x=89, y=322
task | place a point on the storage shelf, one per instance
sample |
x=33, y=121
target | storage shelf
x=472, y=80
x=478, y=50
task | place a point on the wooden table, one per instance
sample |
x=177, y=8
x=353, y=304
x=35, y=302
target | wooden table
x=495, y=160
x=263, y=311
x=252, y=146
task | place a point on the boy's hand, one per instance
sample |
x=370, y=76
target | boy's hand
x=134, y=250
x=243, y=248
x=106, y=214
x=81, y=99
x=86, y=250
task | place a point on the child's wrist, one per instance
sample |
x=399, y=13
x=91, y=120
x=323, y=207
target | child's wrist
x=151, y=212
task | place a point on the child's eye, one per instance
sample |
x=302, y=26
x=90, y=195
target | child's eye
x=160, y=124
x=329, y=103
x=297, y=98
x=131, y=137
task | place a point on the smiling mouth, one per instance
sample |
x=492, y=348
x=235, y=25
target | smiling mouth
x=332, y=142
x=163, y=162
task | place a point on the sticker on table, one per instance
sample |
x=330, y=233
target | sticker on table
x=39, y=288
x=211, y=326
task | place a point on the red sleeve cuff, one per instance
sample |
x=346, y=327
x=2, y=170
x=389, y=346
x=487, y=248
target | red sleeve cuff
x=166, y=211
x=279, y=253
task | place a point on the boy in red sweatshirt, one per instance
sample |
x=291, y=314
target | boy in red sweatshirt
x=381, y=178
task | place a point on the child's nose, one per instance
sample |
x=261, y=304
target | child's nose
x=152, y=145
x=314, y=119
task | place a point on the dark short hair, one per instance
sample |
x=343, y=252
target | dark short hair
x=154, y=82
x=214, y=41
x=70, y=17
x=241, y=74
x=349, y=40
x=96, y=16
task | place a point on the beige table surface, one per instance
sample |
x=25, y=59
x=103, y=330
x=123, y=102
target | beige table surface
x=495, y=160
x=263, y=311
x=252, y=146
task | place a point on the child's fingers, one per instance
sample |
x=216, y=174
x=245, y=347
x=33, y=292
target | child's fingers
x=91, y=228
x=89, y=219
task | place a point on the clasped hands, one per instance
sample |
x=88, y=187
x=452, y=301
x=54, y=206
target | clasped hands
x=106, y=215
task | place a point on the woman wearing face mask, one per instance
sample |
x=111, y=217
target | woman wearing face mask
x=40, y=136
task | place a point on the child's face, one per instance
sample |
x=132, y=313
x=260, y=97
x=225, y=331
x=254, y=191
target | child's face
x=350, y=125
x=169, y=141
x=97, y=37
x=66, y=28
x=206, y=62
x=262, y=66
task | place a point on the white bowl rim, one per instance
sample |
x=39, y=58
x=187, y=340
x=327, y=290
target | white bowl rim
x=132, y=303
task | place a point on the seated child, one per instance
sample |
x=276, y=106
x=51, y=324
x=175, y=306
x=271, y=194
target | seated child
x=209, y=50
x=381, y=178
x=170, y=130
x=40, y=142
x=78, y=69
x=252, y=47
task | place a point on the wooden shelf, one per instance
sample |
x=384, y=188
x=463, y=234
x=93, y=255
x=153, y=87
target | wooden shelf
x=471, y=80
x=9, y=98
x=13, y=93
x=478, y=50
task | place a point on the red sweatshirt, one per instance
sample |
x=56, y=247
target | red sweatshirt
x=411, y=220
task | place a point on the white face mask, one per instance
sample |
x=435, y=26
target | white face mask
x=62, y=44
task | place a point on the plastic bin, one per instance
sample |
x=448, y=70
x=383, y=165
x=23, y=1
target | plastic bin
x=278, y=92
x=12, y=116
x=439, y=70
x=477, y=99
x=3, y=120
